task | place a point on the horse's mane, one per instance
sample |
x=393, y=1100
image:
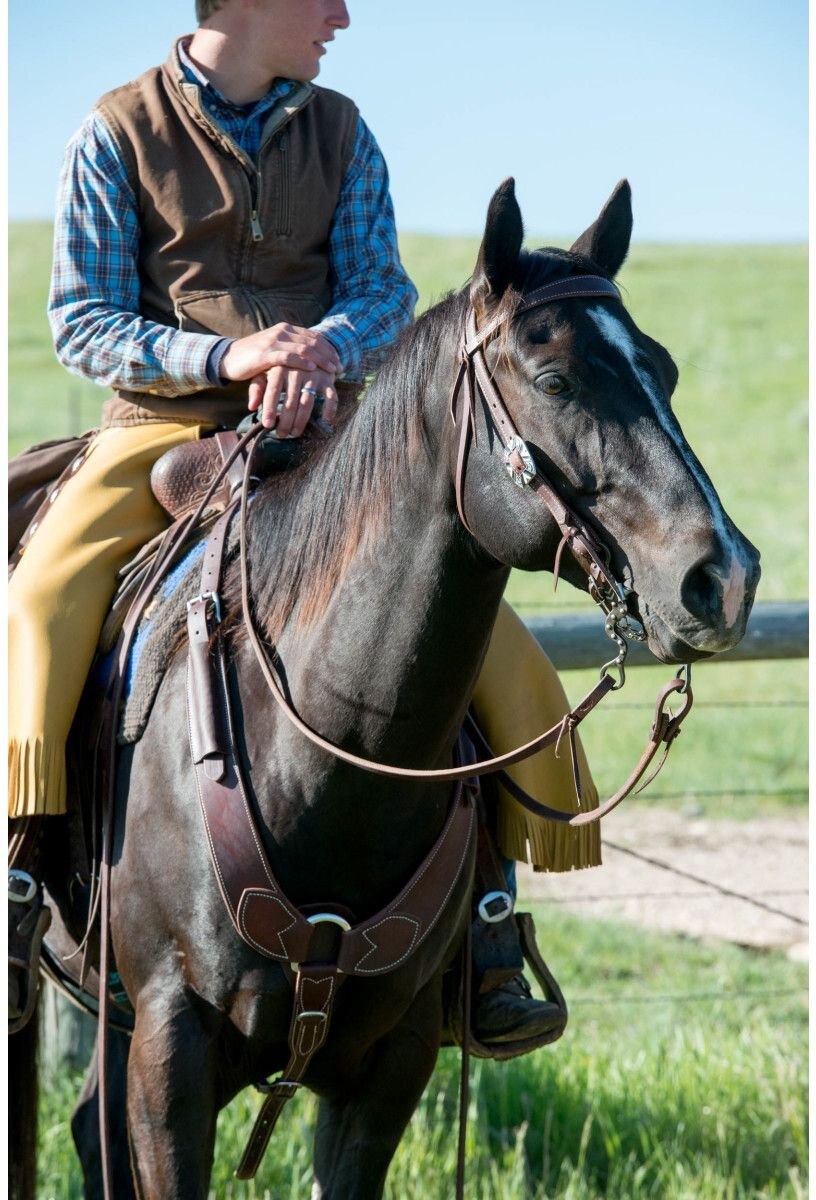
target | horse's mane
x=307, y=525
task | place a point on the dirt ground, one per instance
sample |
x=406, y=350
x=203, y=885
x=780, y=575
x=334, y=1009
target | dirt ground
x=766, y=859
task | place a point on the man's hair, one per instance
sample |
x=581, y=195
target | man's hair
x=206, y=8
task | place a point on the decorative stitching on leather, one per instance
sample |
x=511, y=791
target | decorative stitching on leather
x=250, y=894
x=324, y=1007
x=374, y=947
x=420, y=939
x=318, y=1034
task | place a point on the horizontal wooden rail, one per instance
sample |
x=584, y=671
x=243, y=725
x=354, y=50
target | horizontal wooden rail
x=575, y=640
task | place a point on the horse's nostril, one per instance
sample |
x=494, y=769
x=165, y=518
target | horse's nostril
x=702, y=589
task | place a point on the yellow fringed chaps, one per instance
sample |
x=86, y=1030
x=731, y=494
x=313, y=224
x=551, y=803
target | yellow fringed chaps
x=519, y=695
x=59, y=595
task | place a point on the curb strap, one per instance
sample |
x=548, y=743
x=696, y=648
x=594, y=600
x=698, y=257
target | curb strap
x=315, y=989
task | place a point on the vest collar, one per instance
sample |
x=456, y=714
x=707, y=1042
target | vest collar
x=190, y=96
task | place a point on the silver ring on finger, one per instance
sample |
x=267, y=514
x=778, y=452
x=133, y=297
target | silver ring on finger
x=308, y=391
x=282, y=397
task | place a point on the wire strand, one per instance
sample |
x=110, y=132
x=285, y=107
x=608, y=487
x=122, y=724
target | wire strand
x=688, y=997
x=709, y=883
x=700, y=895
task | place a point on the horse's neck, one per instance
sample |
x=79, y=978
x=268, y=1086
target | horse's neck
x=386, y=672
x=392, y=663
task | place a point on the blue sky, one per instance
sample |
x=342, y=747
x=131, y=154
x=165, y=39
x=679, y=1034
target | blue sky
x=701, y=103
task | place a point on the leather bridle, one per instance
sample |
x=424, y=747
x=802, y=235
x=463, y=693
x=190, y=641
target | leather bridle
x=474, y=377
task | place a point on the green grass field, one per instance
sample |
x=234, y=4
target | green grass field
x=647, y=1095
x=681, y=1077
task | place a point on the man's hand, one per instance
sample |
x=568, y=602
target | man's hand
x=287, y=366
x=281, y=345
x=287, y=397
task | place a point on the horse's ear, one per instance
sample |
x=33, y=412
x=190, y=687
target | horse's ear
x=501, y=245
x=606, y=241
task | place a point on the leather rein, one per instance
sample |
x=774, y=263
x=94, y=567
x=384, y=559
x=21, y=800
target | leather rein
x=473, y=379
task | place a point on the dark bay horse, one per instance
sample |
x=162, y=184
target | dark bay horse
x=381, y=605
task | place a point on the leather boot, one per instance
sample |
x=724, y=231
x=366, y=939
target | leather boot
x=28, y=920
x=510, y=1013
x=505, y=1009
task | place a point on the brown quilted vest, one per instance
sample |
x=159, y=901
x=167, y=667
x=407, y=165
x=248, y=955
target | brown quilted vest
x=227, y=247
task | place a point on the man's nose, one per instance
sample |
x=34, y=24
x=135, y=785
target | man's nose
x=340, y=18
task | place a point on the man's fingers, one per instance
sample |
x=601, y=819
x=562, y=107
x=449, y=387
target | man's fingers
x=329, y=415
x=314, y=349
x=304, y=410
x=257, y=387
x=275, y=385
x=292, y=420
x=287, y=399
x=309, y=344
x=283, y=345
x=318, y=398
x=244, y=364
x=295, y=360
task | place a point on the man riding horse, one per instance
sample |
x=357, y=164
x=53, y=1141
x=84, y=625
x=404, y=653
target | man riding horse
x=225, y=241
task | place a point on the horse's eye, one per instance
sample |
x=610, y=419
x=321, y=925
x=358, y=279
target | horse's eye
x=553, y=384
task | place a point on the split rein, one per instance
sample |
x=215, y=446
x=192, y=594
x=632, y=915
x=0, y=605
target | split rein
x=472, y=379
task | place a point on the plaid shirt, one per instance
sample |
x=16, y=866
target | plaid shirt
x=94, y=302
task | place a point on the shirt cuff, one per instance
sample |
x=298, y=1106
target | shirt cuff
x=344, y=337
x=214, y=360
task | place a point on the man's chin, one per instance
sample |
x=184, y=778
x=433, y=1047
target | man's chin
x=307, y=72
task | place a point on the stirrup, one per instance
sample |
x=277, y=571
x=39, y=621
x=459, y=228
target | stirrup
x=29, y=919
x=546, y=981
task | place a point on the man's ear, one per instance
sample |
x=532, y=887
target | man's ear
x=606, y=241
x=501, y=246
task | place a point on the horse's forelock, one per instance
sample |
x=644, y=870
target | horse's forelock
x=534, y=269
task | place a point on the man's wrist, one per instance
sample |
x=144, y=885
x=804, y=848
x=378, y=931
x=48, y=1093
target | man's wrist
x=343, y=340
x=214, y=360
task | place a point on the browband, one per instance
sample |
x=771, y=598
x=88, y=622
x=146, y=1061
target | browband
x=576, y=287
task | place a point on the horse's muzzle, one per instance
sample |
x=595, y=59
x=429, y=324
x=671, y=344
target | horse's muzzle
x=712, y=616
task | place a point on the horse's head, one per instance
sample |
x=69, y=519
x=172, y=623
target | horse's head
x=590, y=394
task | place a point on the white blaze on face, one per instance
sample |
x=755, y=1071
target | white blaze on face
x=615, y=332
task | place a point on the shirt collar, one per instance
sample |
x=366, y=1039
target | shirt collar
x=194, y=74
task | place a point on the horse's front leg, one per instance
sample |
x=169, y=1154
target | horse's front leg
x=171, y=1106
x=358, y=1132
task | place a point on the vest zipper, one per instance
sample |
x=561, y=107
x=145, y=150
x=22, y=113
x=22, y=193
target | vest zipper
x=254, y=220
x=284, y=223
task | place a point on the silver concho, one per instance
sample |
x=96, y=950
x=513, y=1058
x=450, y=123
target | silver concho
x=522, y=471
